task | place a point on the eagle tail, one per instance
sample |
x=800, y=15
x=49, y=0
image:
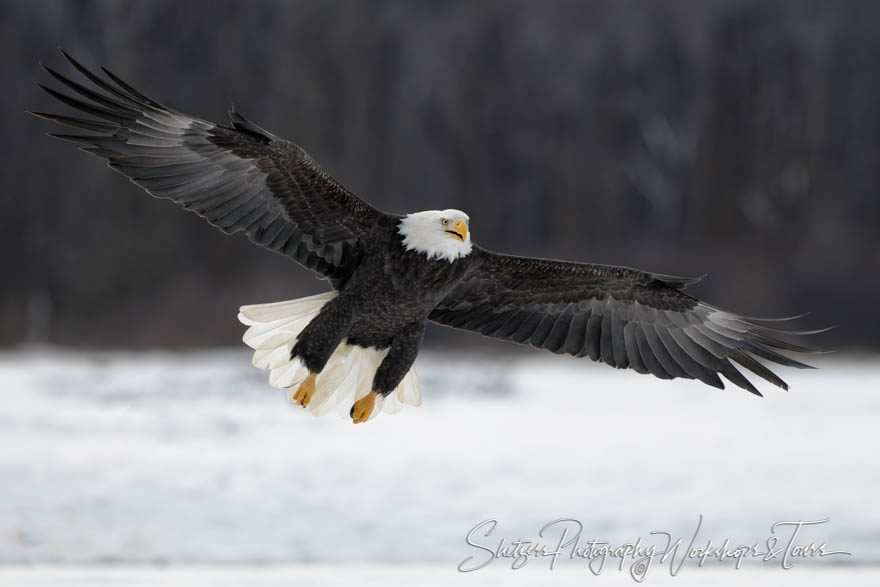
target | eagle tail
x=348, y=376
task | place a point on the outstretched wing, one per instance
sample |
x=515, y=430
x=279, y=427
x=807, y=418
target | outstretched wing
x=615, y=315
x=240, y=178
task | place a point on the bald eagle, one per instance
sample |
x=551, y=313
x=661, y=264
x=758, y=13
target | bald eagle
x=354, y=346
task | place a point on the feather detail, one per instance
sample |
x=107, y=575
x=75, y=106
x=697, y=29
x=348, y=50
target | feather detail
x=348, y=375
x=619, y=316
x=238, y=177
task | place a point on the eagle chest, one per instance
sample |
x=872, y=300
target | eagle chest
x=428, y=280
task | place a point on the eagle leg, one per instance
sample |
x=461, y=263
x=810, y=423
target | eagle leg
x=306, y=389
x=362, y=408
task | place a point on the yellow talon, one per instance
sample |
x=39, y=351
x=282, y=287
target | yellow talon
x=303, y=394
x=362, y=408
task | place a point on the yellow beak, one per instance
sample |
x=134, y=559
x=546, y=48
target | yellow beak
x=459, y=230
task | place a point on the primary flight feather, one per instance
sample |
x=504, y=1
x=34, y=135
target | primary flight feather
x=354, y=347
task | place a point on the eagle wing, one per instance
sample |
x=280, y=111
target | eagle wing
x=240, y=178
x=616, y=315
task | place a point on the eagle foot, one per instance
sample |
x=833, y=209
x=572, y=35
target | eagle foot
x=362, y=408
x=306, y=389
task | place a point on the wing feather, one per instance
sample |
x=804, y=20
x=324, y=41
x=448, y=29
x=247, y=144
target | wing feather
x=558, y=334
x=633, y=354
x=593, y=336
x=618, y=340
x=577, y=332
x=619, y=316
x=647, y=353
x=240, y=177
x=606, y=346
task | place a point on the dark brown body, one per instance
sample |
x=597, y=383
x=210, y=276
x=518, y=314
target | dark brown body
x=385, y=303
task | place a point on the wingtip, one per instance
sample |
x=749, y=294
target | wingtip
x=40, y=115
x=66, y=55
x=783, y=319
x=69, y=58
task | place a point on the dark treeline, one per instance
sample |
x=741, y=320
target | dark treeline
x=735, y=138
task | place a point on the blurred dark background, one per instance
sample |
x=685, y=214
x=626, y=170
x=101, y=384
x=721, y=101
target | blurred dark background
x=735, y=138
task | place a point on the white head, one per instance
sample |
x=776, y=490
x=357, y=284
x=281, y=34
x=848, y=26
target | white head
x=439, y=234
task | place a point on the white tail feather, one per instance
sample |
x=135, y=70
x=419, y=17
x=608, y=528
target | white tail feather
x=348, y=375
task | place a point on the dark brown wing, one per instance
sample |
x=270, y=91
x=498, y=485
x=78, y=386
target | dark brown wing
x=616, y=315
x=240, y=178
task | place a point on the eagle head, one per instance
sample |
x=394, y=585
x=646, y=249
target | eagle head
x=439, y=234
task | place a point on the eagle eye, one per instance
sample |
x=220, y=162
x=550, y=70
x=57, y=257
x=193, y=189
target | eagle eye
x=444, y=222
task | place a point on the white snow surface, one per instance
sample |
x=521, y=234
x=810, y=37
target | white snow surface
x=191, y=458
x=415, y=576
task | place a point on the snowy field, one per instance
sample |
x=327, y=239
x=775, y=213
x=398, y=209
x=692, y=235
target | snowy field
x=161, y=468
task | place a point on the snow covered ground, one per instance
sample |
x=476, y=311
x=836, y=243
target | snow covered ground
x=414, y=576
x=166, y=460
